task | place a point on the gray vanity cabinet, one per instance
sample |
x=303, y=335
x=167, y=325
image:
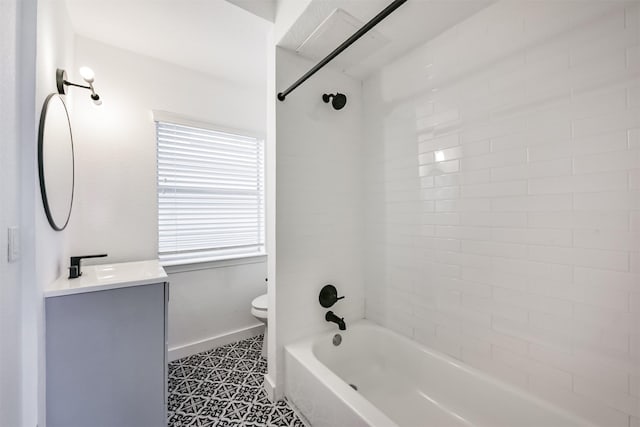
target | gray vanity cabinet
x=106, y=357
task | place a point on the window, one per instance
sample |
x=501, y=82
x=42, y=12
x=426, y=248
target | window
x=210, y=194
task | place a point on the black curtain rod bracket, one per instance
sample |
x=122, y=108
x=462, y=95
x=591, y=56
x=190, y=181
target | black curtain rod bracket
x=348, y=42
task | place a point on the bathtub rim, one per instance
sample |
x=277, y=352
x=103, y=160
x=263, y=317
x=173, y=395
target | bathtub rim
x=302, y=351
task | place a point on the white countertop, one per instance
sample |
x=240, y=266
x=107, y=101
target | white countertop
x=108, y=276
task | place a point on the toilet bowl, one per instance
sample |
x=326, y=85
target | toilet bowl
x=259, y=311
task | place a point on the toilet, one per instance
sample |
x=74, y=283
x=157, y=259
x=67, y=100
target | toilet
x=259, y=311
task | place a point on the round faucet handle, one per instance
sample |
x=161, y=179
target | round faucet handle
x=328, y=296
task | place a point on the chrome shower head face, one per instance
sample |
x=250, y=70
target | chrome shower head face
x=338, y=102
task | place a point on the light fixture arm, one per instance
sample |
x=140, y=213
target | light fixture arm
x=68, y=83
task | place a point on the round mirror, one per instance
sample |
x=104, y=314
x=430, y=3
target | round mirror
x=55, y=161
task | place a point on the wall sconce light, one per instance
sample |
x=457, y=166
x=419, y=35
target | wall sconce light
x=87, y=75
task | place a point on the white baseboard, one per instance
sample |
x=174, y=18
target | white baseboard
x=270, y=387
x=179, y=352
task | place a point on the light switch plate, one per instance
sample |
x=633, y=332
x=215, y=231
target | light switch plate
x=13, y=244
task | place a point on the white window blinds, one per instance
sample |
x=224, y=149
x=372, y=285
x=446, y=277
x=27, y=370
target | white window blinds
x=210, y=194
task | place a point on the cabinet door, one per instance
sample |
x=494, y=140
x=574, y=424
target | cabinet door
x=106, y=358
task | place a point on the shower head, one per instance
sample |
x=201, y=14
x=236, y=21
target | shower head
x=339, y=100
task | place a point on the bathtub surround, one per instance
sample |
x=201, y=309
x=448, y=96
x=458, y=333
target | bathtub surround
x=319, y=204
x=116, y=157
x=501, y=180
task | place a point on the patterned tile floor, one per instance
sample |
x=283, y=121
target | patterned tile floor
x=223, y=387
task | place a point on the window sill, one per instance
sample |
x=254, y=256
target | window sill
x=215, y=263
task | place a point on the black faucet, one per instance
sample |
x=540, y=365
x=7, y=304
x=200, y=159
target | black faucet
x=74, y=269
x=330, y=317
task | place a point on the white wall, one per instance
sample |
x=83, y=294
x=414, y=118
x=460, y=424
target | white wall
x=10, y=293
x=45, y=251
x=270, y=208
x=115, y=208
x=319, y=203
x=32, y=404
x=55, y=50
x=287, y=12
x=206, y=305
x=502, y=178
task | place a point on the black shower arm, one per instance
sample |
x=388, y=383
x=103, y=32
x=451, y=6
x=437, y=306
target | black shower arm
x=366, y=27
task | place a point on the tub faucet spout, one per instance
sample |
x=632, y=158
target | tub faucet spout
x=330, y=317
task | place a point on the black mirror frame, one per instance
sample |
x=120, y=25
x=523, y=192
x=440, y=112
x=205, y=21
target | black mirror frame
x=43, y=191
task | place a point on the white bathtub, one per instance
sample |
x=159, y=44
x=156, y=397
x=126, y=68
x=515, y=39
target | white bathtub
x=401, y=383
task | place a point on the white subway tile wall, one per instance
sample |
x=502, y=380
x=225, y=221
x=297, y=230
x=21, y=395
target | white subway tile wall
x=502, y=183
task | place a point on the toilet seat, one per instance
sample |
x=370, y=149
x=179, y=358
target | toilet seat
x=259, y=309
x=260, y=302
x=259, y=306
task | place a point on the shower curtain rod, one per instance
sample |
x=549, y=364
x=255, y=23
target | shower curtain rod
x=348, y=42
